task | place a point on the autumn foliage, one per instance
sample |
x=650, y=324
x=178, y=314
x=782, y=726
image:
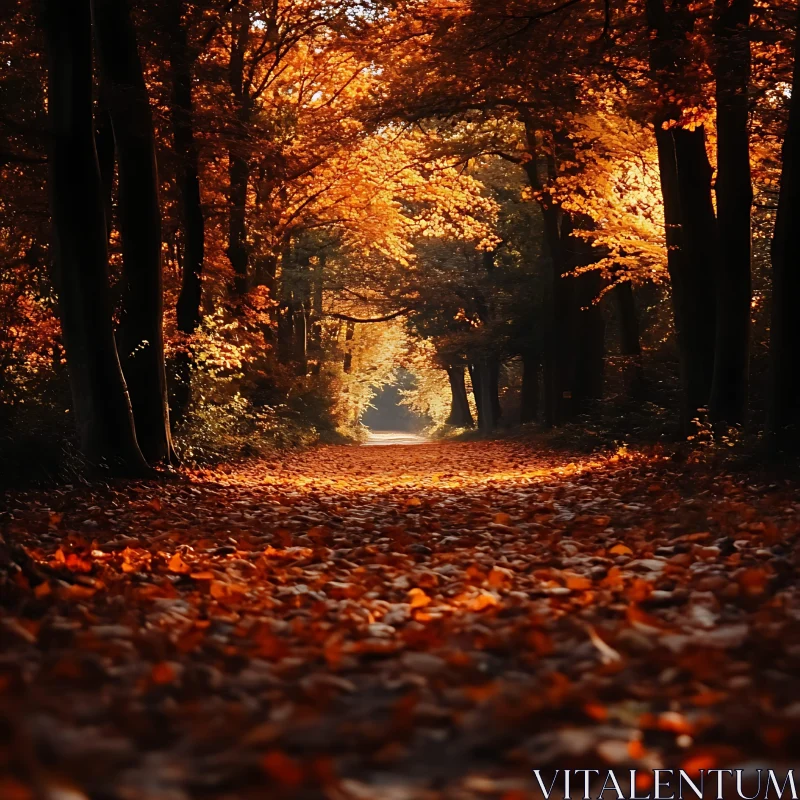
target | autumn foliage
x=229, y=229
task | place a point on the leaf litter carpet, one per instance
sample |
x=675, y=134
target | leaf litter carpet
x=396, y=623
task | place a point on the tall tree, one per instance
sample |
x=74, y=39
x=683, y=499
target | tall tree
x=734, y=192
x=188, y=170
x=460, y=414
x=785, y=333
x=100, y=398
x=140, y=335
x=689, y=218
x=238, y=163
x=629, y=342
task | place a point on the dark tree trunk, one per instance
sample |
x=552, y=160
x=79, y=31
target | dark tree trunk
x=691, y=230
x=690, y=278
x=587, y=380
x=629, y=344
x=529, y=395
x=140, y=336
x=104, y=142
x=734, y=191
x=493, y=370
x=191, y=208
x=285, y=332
x=238, y=165
x=300, y=338
x=460, y=414
x=559, y=333
x=349, y=334
x=189, y=305
x=700, y=239
x=315, y=328
x=101, y=403
x=484, y=389
x=785, y=332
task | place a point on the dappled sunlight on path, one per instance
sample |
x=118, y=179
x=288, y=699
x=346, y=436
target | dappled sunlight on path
x=401, y=622
x=394, y=438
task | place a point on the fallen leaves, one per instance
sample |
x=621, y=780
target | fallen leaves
x=178, y=565
x=298, y=628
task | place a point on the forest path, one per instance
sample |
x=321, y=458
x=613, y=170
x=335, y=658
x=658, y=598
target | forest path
x=398, y=623
x=394, y=438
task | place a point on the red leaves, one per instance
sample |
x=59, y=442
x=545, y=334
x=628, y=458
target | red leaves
x=246, y=612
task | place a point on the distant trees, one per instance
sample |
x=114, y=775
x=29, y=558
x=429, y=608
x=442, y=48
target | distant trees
x=251, y=177
x=680, y=68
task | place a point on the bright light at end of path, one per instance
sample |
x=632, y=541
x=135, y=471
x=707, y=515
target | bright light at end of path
x=394, y=437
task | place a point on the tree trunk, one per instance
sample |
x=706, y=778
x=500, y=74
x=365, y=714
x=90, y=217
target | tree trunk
x=100, y=398
x=493, y=368
x=104, y=142
x=349, y=335
x=300, y=338
x=315, y=329
x=692, y=300
x=529, y=395
x=191, y=208
x=691, y=231
x=700, y=239
x=785, y=332
x=629, y=344
x=484, y=389
x=559, y=344
x=734, y=192
x=460, y=414
x=285, y=332
x=189, y=305
x=140, y=335
x=238, y=165
x=587, y=380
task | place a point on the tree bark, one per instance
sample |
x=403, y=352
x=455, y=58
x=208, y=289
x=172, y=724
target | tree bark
x=238, y=165
x=559, y=337
x=734, y=192
x=629, y=343
x=300, y=338
x=349, y=335
x=691, y=230
x=690, y=282
x=587, y=379
x=529, y=395
x=460, y=414
x=700, y=239
x=285, y=332
x=140, y=335
x=100, y=399
x=785, y=332
x=106, y=157
x=315, y=349
x=191, y=209
x=484, y=389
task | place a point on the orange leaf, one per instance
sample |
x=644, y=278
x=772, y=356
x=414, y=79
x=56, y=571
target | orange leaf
x=577, y=582
x=482, y=601
x=418, y=599
x=178, y=565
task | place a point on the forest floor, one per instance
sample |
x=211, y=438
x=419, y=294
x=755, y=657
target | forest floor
x=397, y=623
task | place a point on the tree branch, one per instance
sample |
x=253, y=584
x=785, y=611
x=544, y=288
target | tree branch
x=387, y=318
